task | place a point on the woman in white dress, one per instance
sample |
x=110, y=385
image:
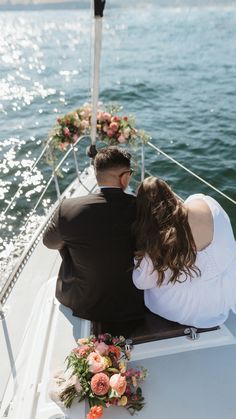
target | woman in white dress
x=186, y=256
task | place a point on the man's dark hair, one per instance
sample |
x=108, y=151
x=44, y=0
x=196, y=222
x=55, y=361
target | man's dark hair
x=111, y=157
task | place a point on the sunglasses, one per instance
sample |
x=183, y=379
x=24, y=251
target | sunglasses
x=130, y=171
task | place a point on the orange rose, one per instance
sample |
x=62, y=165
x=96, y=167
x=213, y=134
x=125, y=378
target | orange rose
x=95, y=412
x=114, y=350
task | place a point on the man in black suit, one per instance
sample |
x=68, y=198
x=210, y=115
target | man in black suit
x=93, y=235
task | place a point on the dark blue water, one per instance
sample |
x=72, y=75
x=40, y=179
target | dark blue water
x=174, y=68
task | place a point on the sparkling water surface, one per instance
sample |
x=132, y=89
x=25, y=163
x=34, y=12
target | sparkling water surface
x=173, y=68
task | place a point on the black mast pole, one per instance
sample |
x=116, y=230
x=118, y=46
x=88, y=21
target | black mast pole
x=99, y=7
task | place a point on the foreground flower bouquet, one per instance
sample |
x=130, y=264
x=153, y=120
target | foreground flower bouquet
x=112, y=128
x=97, y=370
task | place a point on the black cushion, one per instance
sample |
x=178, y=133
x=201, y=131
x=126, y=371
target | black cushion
x=150, y=328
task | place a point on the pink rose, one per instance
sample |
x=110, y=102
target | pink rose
x=102, y=348
x=106, y=116
x=96, y=362
x=100, y=384
x=116, y=118
x=110, y=133
x=121, y=139
x=130, y=372
x=113, y=126
x=66, y=131
x=118, y=383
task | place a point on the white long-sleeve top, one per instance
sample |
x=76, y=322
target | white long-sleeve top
x=205, y=300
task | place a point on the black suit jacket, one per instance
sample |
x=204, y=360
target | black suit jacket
x=93, y=234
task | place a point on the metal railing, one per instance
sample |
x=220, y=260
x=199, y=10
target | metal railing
x=158, y=150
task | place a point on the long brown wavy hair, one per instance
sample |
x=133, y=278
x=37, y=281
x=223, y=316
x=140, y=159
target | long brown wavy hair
x=163, y=232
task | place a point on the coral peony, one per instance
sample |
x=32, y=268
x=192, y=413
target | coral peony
x=118, y=383
x=100, y=384
x=95, y=412
x=96, y=362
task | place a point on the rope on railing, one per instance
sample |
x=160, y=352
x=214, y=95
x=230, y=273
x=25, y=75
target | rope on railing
x=191, y=172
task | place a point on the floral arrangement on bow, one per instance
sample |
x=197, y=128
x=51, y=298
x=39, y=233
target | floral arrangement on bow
x=97, y=371
x=111, y=128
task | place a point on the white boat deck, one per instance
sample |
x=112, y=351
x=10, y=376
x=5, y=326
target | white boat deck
x=187, y=379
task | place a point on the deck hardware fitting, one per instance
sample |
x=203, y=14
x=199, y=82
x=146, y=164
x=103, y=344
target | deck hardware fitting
x=3, y=312
x=192, y=333
x=128, y=344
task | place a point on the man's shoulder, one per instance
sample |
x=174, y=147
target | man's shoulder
x=90, y=199
x=79, y=201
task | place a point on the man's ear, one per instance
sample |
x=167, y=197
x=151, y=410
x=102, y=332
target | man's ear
x=124, y=180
